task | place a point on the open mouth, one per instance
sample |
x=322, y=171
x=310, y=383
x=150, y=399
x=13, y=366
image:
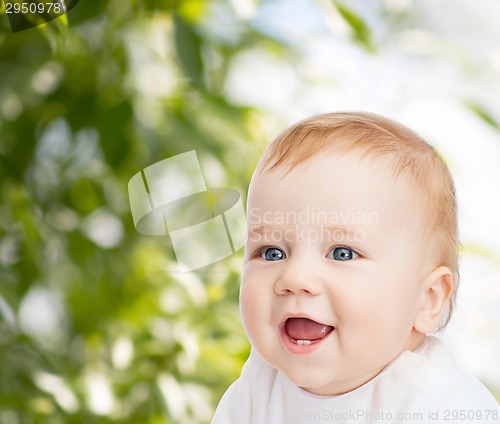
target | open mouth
x=305, y=332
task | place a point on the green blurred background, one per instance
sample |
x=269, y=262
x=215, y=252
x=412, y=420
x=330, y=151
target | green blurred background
x=96, y=326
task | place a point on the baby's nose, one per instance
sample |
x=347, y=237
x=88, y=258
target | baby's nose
x=298, y=277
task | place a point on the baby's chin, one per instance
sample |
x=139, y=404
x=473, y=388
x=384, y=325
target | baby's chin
x=320, y=382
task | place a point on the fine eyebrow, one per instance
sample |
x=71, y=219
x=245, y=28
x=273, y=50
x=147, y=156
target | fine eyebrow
x=351, y=232
x=346, y=230
x=257, y=230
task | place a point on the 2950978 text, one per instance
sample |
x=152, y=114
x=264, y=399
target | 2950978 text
x=35, y=8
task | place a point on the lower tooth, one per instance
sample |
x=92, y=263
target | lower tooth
x=303, y=342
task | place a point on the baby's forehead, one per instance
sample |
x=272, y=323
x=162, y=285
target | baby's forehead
x=407, y=174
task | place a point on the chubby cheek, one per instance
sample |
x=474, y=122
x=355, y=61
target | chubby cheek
x=253, y=304
x=248, y=303
x=377, y=314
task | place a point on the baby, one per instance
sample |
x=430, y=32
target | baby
x=351, y=260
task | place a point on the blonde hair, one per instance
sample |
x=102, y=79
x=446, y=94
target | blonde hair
x=408, y=156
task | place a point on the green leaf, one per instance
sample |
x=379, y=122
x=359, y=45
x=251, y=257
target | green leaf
x=484, y=114
x=188, y=45
x=362, y=33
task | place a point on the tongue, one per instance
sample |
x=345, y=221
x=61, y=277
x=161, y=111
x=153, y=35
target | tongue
x=306, y=329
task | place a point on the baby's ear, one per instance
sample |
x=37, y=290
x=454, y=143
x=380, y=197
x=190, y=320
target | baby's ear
x=438, y=288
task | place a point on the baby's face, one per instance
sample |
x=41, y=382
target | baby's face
x=332, y=281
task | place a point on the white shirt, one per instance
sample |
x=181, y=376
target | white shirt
x=424, y=386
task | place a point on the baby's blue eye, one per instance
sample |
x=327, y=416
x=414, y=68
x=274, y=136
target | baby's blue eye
x=273, y=254
x=343, y=254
